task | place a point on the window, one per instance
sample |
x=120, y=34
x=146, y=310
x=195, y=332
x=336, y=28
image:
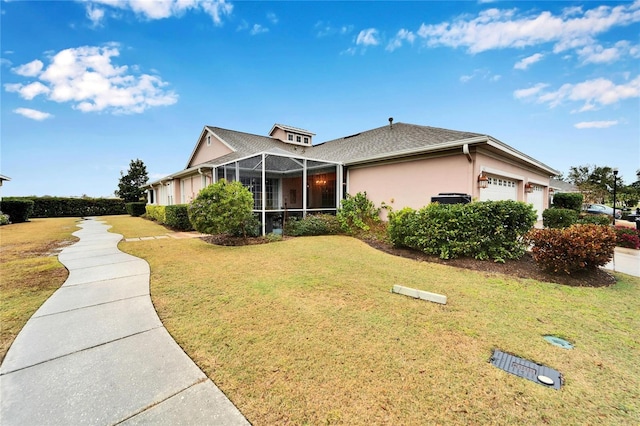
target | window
x=290, y=137
x=298, y=138
x=209, y=140
x=306, y=140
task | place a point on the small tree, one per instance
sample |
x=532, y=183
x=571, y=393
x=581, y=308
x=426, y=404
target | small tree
x=223, y=208
x=129, y=187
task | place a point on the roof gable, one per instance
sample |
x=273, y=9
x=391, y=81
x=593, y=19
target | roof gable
x=212, y=143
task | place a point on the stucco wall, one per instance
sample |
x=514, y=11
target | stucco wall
x=206, y=153
x=412, y=183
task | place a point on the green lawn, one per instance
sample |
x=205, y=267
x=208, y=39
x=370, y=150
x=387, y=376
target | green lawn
x=29, y=270
x=306, y=331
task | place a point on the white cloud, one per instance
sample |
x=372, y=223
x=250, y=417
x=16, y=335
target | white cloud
x=481, y=73
x=531, y=91
x=368, y=37
x=160, y=9
x=592, y=93
x=33, y=114
x=28, y=91
x=272, y=17
x=87, y=77
x=498, y=29
x=595, y=124
x=258, y=29
x=95, y=14
x=32, y=69
x=324, y=29
x=4, y=62
x=401, y=36
x=524, y=63
x=598, y=54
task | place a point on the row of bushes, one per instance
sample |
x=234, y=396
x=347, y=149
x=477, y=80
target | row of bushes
x=175, y=216
x=484, y=230
x=20, y=209
x=564, y=218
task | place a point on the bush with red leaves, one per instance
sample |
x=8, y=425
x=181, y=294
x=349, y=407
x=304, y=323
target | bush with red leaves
x=574, y=249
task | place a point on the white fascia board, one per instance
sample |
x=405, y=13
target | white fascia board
x=290, y=129
x=514, y=153
x=292, y=156
x=538, y=182
x=421, y=150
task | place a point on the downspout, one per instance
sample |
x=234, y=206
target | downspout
x=465, y=151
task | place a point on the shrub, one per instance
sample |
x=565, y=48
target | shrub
x=559, y=218
x=357, y=213
x=627, y=237
x=73, y=207
x=223, y=208
x=482, y=230
x=177, y=217
x=19, y=210
x=579, y=247
x=595, y=219
x=568, y=200
x=317, y=224
x=156, y=213
x=136, y=208
x=4, y=219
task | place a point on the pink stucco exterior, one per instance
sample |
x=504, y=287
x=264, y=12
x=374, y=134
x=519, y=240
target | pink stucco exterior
x=412, y=183
x=204, y=152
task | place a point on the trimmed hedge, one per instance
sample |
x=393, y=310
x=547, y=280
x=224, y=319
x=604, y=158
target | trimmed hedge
x=18, y=210
x=73, y=207
x=559, y=218
x=316, y=224
x=177, y=217
x=482, y=230
x=568, y=200
x=156, y=213
x=570, y=250
x=136, y=208
x=595, y=219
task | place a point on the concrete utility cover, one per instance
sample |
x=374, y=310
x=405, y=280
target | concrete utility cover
x=558, y=342
x=526, y=369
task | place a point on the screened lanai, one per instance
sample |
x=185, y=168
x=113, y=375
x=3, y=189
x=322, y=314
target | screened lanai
x=284, y=185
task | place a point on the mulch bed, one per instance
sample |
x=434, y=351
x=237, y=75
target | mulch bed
x=525, y=267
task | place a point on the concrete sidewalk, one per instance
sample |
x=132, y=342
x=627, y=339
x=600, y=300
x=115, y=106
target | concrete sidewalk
x=96, y=352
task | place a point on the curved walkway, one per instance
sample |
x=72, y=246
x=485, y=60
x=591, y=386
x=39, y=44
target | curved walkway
x=96, y=352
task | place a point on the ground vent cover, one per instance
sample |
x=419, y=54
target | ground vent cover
x=526, y=369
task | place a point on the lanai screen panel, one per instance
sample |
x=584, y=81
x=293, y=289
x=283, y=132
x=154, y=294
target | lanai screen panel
x=321, y=185
x=284, y=177
x=250, y=175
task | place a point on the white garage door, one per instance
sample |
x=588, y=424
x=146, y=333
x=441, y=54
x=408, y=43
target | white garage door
x=499, y=189
x=537, y=199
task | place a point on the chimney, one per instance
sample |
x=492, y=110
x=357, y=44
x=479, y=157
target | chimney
x=391, y=122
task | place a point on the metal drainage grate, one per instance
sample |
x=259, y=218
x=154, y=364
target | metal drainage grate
x=527, y=369
x=554, y=340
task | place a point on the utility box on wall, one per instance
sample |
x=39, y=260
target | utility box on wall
x=451, y=198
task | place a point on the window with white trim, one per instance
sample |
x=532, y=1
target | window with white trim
x=290, y=137
x=298, y=138
x=208, y=140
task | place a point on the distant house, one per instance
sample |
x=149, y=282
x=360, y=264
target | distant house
x=402, y=165
x=2, y=179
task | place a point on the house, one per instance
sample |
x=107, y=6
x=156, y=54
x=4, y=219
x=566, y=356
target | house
x=2, y=179
x=401, y=165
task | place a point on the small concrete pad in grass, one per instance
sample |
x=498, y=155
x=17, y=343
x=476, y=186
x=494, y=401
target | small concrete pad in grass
x=95, y=293
x=420, y=294
x=101, y=385
x=40, y=339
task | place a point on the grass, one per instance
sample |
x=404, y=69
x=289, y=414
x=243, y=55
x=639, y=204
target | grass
x=30, y=271
x=306, y=331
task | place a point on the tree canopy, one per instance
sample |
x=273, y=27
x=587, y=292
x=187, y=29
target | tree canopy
x=129, y=187
x=596, y=184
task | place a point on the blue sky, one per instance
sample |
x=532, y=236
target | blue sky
x=88, y=86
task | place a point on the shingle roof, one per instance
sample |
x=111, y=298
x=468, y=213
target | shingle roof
x=387, y=140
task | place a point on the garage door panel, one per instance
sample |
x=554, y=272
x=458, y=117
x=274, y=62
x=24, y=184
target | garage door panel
x=499, y=189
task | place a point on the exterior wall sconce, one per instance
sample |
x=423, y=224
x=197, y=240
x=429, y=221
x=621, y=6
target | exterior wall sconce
x=483, y=181
x=528, y=188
